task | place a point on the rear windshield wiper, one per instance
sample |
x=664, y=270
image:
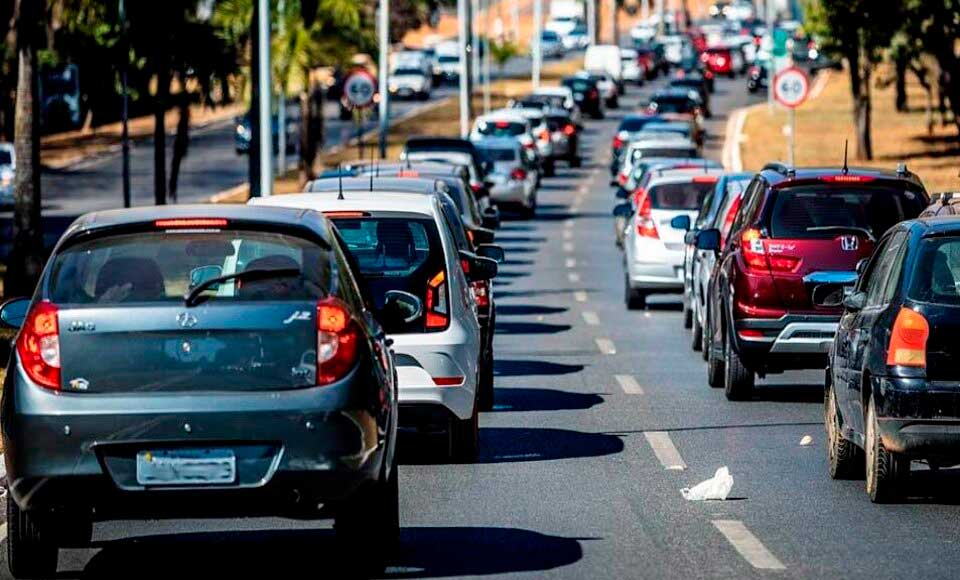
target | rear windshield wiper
x=851, y=229
x=257, y=274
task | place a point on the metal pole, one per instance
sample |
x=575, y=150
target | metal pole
x=661, y=15
x=263, y=64
x=125, y=135
x=592, y=21
x=486, y=59
x=281, y=101
x=772, y=68
x=463, y=76
x=793, y=138
x=644, y=10
x=253, y=152
x=474, y=44
x=614, y=37
x=535, y=49
x=384, y=76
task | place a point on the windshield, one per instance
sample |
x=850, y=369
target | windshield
x=937, y=277
x=634, y=124
x=408, y=71
x=158, y=267
x=664, y=152
x=680, y=196
x=813, y=212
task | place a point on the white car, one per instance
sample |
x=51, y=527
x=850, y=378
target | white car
x=653, y=248
x=448, y=59
x=514, y=175
x=8, y=168
x=632, y=73
x=401, y=242
x=647, y=144
x=504, y=123
x=605, y=58
x=407, y=81
x=559, y=97
x=643, y=32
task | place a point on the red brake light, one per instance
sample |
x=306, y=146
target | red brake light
x=705, y=179
x=502, y=124
x=344, y=214
x=908, y=340
x=337, y=338
x=448, y=381
x=618, y=141
x=757, y=258
x=39, y=345
x=544, y=135
x=646, y=227
x=408, y=173
x=481, y=293
x=569, y=130
x=750, y=333
x=438, y=311
x=476, y=187
x=190, y=223
x=847, y=179
x=518, y=174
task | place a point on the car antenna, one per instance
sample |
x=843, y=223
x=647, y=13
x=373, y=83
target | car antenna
x=340, y=181
x=845, y=170
x=376, y=169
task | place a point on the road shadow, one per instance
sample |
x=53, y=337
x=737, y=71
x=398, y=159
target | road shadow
x=521, y=399
x=502, y=240
x=528, y=310
x=539, y=292
x=509, y=262
x=531, y=328
x=781, y=393
x=513, y=274
x=425, y=552
x=532, y=368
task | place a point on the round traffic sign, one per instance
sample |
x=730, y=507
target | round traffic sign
x=791, y=87
x=359, y=89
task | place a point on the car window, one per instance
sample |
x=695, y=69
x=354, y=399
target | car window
x=810, y=212
x=501, y=128
x=5, y=157
x=748, y=203
x=937, y=273
x=708, y=201
x=679, y=196
x=885, y=258
x=498, y=154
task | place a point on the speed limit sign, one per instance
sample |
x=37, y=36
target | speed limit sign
x=791, y=87
x=359, y=89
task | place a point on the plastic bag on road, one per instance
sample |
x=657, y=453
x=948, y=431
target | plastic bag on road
x=715, y=488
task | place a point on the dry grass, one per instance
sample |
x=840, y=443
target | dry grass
x=824, y=123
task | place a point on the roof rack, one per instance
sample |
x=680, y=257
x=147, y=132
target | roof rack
x=902, y=170
x=781, y=168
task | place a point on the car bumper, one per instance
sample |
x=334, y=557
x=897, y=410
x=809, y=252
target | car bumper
x=793, y=341
x=421, y=364
x=80, y=451
x=919, y=418
x=509, y=192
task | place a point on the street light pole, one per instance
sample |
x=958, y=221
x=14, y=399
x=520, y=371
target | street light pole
x=462, y=29
x=384, y=73
x=263, y=104
x=535, y=50
x=486, y=58
x=281, y=101
x=125, y=112
x=592, y=21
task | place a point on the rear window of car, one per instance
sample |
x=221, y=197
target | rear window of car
x=812, y=212
x=501, y=129
x=498, y=154
x=5, y=157
x=680, y=196
x=633, y=124
x=580, y=86
x=408, y=71
x=153, y=267
x=448, y=58
x=664, y=152
x=672, y=104
x=938, y=272
x=557, y=122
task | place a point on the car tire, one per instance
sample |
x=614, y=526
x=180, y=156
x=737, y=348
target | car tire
x=371, y=517
x=696, y=340
x=738, y=380
x=465, y=437
x=635, y=299
x=705, y=340
x=887, y=472
x=31, y=552
x=485, y=396
x=844, y=458
x=550, y=168
x=687, y=315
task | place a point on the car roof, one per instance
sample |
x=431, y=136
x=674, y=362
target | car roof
x=437, y=167
x=670, y=141
x=387, y=200
x=779, y=173
x=942, y=224
x=368, y=183
x=682, y=175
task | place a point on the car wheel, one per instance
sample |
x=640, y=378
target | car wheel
x=887, y=472
x=844, y=460
x=738, y=380
x=466, y=438
x=715, y=366
x=635, y=299
x=31, y=553
x=705, y=340
x=696, y=340
x=687, y=315
x=371, y=517
x=485, y=397
x=550, y=168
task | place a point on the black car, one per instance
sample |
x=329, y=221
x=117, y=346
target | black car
x=198, y=361
x=586, y=94
x=694, y=82
x=891, y=388
x=756, y=78
x=629, y=126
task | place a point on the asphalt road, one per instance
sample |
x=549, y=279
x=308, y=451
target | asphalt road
x=593, y=404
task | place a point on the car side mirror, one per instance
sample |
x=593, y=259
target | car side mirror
x=855, y=302
x=623, y=210
x=492, y=251
x=681, y=222
x=482, y=235
x=491, y=218
x=479, y=268
x=13, y=312
x=709, y=240
x=690, y=238
x=862, y=266
x=614, y=183
x=399, y=309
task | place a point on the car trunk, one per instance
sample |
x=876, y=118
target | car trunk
x=669, y=200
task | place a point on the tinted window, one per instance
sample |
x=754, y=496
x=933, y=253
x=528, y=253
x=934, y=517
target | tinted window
x=666, y=152
x=672, y=105
x=445, y=58
x=814, y=212
x=497, y=154
x=633, y=124
x=680, y=195
x=579, y=86
x=938, y=272
x=5, y=157
x=163, y=266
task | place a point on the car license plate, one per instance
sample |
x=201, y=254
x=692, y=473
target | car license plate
x=186, y=467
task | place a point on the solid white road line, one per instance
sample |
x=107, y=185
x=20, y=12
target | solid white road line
x=606, y=346
x=568, y=223
x=591, y=318
x=752, y=550
x=629, y=384
x=570, y=263
x=580, y=296
x=3, y=528
x=665, y=450
x=573, y=277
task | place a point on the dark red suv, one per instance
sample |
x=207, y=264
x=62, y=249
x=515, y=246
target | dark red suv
x=776, y=293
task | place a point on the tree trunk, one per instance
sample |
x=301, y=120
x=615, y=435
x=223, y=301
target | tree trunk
x=860, y=91
x=182, y=140
x=311, y=131
x=159, y=128
x=950, y=85
x=900, y=66
x=25, y=263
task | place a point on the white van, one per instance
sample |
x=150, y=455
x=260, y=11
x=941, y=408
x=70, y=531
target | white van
x=605, y=58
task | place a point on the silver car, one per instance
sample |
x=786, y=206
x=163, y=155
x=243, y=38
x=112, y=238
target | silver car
x=513, y=176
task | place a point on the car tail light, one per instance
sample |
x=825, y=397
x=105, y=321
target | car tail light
x=438, y=310
x=39, y=345
x=481, y=293
x=337, y=338
x=704, y=57
x=750, y=333
x=569, y=130
x=622, y=179
x=705, y=179
x=908, y=340
x=593, y=94
x=476, y=187
x=190, y=223
x=847, y=179
x=448, y=381
x=619, y=140
x=646, y=227
x=721, y=61
x=756, y=256
x=518, y=174
x=544, y=135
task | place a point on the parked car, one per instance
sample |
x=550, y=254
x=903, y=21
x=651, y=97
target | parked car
x=890, y=395
x=514, y=173
x=198, y=360
x=756, y=78
x=775, y=299
x=577, y=39
x=586, y=94
x=8, y=170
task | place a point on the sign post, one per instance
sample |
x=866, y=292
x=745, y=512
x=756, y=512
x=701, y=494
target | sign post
x=790, y=88
x=359, y=90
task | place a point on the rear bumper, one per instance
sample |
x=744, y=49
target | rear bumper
x=919, y=418
x=424, y=360
x=653, y=267
x=787, y=343
x=509, y=192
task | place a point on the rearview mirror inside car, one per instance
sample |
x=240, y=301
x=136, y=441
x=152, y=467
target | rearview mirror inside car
x=203, y=273
x=855, y=302
x=709, y=240
x=492, y=251
x=623, y=210
x=680, y=222
x=13, y=312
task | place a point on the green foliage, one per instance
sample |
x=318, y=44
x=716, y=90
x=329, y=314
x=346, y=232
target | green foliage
x=502, y=51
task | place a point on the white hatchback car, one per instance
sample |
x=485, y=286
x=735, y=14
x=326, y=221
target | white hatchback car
x=402, y=243
x=653, y=248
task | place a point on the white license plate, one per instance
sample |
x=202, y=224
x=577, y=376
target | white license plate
x=186, y=467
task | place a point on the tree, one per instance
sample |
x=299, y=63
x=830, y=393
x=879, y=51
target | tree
x=936, y=25
x=857, y=30
x=25, y=262
x=501, y=51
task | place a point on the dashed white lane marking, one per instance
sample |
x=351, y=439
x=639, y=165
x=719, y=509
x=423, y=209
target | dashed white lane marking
x=580, y=296
x=571, y=263
x=606, y=346
x=568, y=247
x=665, y=450
x=573, y=277
x=752, y=550
x=629, y=384
x=567, y=234
x=591, y=318
x=568, y=223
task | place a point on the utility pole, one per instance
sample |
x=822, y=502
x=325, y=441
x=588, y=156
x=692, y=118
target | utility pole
x=661, y=16
x=592, y=21
x=125, y=111
x=474, y=44
x=535, y=50
x=486, y=56
x=772, y=67
x=462, y=28
x=384, y=73
x=614, y=31
x=281, y=100
x=261, y=142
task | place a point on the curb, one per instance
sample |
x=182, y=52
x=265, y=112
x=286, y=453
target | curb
x=733, y=136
